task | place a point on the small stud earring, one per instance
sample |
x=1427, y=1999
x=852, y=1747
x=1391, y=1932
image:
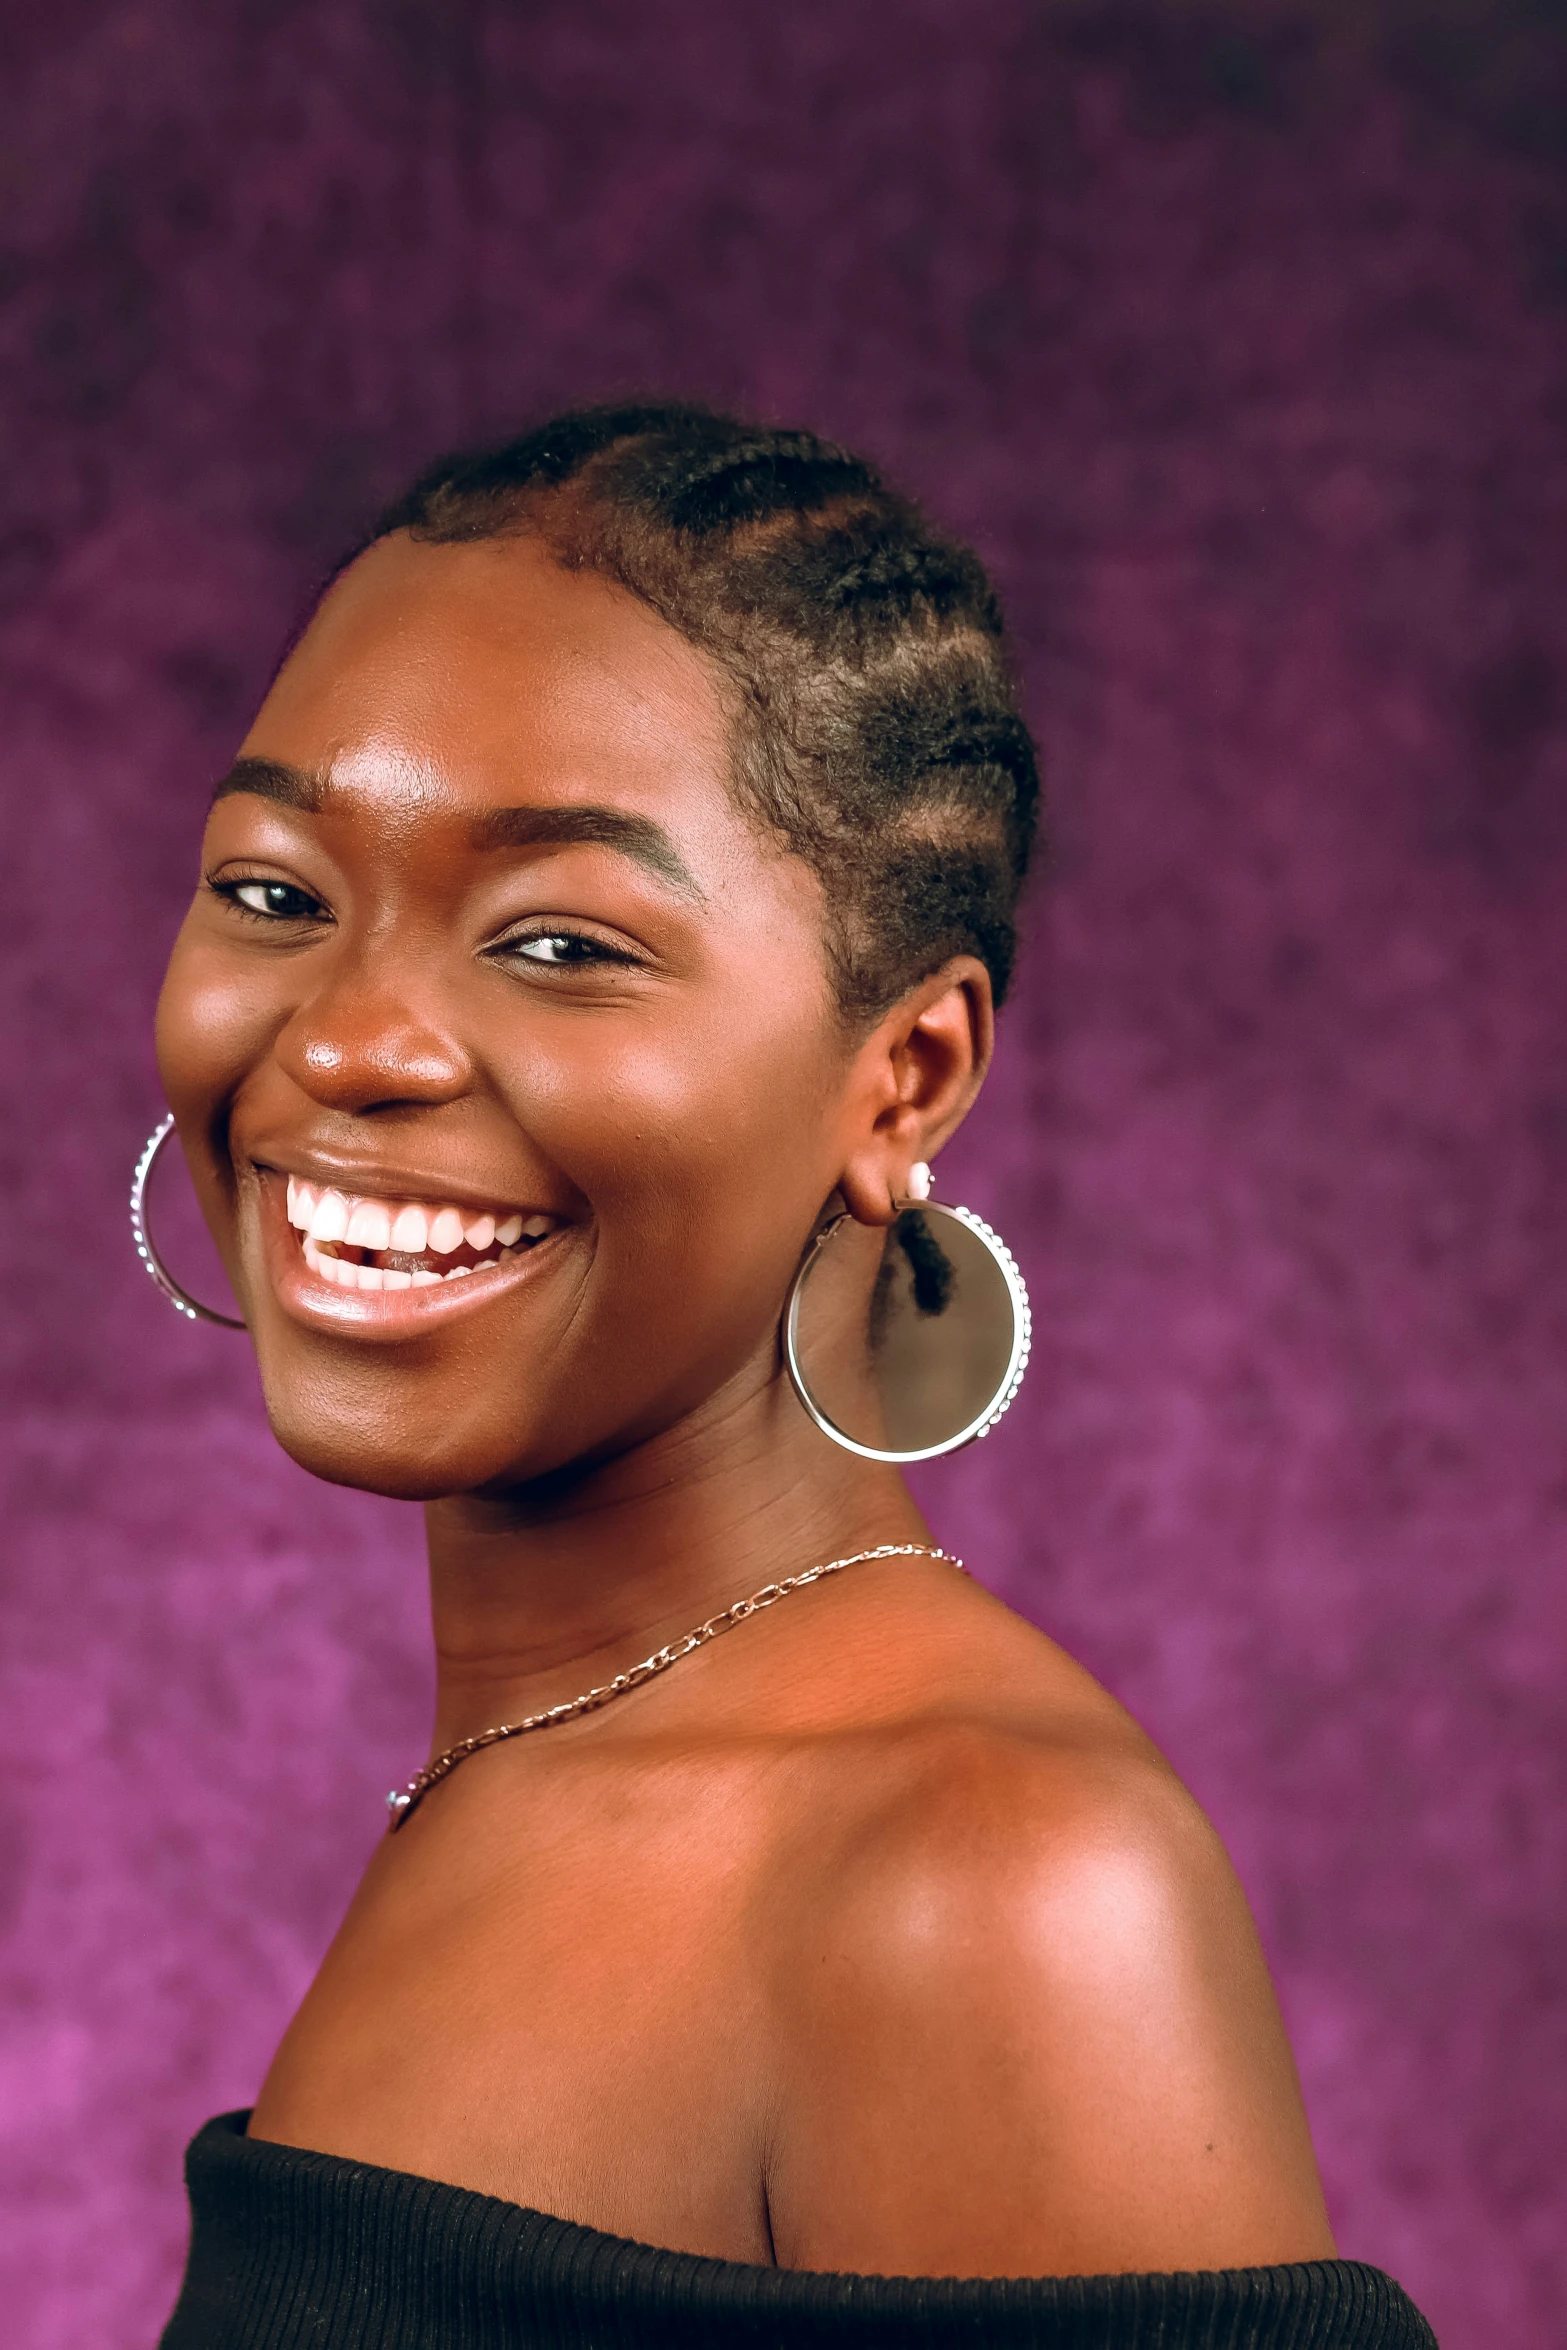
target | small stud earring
x=919, y=1180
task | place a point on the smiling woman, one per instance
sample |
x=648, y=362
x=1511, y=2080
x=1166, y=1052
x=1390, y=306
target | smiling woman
x=599, y=929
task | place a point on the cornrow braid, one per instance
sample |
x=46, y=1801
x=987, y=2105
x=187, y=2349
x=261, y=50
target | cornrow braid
x=876, y=724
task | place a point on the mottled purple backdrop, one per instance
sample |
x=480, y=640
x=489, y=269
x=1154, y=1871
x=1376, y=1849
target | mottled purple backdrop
x=1242, y=358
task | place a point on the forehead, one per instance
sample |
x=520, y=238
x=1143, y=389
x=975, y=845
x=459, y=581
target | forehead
x=484, y=675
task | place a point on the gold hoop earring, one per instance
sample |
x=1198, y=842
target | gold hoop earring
x=180, y=1299
x=938, y=1353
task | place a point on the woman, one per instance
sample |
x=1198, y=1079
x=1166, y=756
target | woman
x=611, y=898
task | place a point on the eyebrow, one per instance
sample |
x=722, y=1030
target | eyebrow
x=637, y=837
x=273, y=779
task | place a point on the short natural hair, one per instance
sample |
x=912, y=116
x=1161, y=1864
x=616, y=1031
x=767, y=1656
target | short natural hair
x=876, y=723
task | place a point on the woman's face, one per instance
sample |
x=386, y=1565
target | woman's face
x=487, y=970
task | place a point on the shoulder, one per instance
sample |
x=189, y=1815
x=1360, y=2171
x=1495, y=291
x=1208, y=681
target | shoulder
x=1022, y=1867
x=1027, y=2026
x=1002, y=1782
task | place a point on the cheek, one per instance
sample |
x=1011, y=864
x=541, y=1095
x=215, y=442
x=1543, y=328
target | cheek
x=694, y=1110
x=210, y=1029
x=704, y=1151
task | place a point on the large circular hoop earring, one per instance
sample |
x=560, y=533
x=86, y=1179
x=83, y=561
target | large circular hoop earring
x=180, y=1299
x=936, y=1260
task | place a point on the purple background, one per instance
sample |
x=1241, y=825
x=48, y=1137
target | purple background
x=1241, y=355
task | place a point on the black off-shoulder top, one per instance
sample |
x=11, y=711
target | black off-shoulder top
x=298, y=2251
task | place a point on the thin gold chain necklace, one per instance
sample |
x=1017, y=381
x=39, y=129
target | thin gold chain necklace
x=401, y=1803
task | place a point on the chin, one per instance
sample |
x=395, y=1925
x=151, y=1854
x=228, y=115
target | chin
x=351, y=1456
x=345, y=1441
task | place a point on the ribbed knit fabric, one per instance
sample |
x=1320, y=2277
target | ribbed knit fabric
x=296, y=2251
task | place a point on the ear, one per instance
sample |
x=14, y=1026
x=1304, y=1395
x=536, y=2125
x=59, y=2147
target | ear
x=915, y=1077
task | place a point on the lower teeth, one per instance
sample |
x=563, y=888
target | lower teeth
x=345, y=1274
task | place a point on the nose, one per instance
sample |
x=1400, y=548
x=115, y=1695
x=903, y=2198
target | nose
x=362, y=1044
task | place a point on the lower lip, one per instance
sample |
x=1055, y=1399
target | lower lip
x=380, y=1313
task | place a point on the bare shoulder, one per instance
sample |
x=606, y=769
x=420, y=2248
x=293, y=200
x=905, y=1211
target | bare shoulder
x=1026, y=2023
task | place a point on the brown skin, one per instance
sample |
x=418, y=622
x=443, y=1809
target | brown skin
x=875, y=1936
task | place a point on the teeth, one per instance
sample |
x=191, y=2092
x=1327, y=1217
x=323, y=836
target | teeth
x=446, y=1232
x=369, y=1225
x=410, y=1228
x=330, y=1220
x=333, y=1269
x=457, y=1272
x=410, y=1232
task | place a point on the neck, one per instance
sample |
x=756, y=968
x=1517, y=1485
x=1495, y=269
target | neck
x=541, y=1591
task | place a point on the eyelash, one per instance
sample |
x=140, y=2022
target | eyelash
x=595, y=949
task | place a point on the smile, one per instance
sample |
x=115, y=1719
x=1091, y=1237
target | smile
x=357, y=1242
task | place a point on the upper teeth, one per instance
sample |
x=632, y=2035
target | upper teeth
x=411, y=1227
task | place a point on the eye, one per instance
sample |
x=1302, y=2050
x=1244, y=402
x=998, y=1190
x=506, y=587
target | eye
x=274, y=901
x=560, y=948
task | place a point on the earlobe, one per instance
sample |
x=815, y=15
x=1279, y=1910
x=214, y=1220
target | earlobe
x=868, y=1194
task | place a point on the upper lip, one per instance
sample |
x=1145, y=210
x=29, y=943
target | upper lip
x=360, y=1180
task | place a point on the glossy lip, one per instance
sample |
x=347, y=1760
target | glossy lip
x=378, y=1313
